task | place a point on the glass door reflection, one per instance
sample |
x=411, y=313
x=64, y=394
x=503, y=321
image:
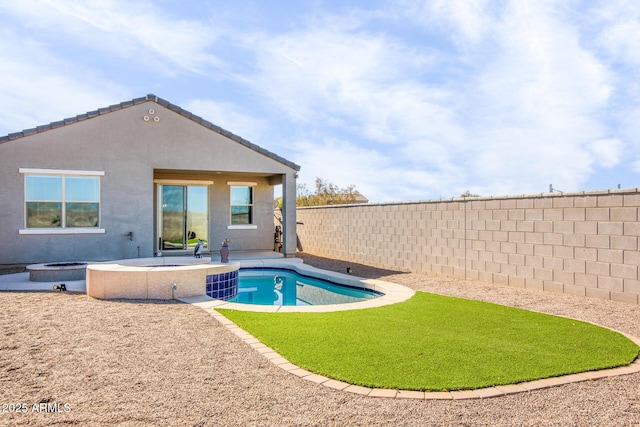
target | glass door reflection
x=197, y=215
x=183, y=216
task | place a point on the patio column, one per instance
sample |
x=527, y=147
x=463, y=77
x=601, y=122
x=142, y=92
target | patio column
x=289, y=237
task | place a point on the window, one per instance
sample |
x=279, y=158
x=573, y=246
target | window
x=241, y=205
x=62, y=199
x=44, y=201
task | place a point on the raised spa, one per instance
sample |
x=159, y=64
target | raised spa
x=148, y=279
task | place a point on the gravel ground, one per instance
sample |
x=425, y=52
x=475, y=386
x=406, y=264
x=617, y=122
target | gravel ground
x=153, y=363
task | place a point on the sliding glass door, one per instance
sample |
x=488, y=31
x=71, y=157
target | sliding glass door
x=183, y=216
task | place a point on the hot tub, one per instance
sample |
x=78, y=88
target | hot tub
x=152, y=281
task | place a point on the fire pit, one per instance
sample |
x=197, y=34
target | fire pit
x=57, y=271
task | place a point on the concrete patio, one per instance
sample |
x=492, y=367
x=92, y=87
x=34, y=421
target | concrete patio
x=21, y=282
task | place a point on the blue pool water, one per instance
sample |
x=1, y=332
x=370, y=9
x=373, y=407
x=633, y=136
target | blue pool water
x=286, y=287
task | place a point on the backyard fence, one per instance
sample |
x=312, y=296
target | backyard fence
x=579, y=243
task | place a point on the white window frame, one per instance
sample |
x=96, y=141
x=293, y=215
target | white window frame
x=62, y=173
x=251, y=184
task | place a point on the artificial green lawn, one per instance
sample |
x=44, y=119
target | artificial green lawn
x=433, y=342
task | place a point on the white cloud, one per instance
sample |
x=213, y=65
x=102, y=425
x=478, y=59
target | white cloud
x=48, y=49
x=532, y=105
x=376, y=175
x=620, y=29
x=606, y=152
x=323, y=72
x=623, y=41
x=137, y=31
x=470, y=20
x=339, y=162
x=230, y=117
x=520, y=108
x=421, y=99
x=46, y=88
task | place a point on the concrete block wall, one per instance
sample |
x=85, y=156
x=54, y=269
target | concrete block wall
x=580, y=243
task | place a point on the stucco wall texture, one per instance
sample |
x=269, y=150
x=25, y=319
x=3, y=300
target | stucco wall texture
x=133, y=152
x=579, y=243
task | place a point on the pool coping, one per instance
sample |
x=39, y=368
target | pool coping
x=398, y=293
x=392, y=292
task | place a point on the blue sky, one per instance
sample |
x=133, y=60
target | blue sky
x=406, y=100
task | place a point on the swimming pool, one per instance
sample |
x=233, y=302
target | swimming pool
x=287, y=288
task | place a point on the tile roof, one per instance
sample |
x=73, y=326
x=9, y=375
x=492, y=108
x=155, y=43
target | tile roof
x=159, y=101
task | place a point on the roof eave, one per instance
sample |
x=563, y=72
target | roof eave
x=159, y=101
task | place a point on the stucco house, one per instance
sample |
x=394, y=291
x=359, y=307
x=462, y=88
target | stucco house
x=138, y=179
